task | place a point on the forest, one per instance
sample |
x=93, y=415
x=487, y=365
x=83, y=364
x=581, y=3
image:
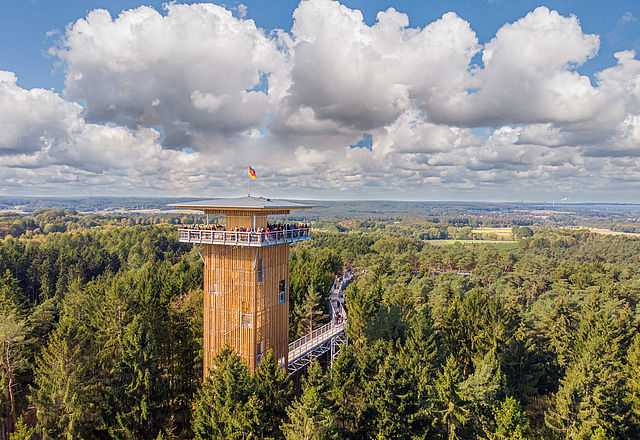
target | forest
x=101, y=335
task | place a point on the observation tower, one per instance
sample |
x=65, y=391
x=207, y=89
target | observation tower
x=246, y=275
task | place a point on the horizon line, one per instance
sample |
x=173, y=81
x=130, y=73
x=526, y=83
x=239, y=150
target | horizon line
x=522, y=202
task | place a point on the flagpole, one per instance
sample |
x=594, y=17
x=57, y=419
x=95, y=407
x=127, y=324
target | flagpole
x=252, y=175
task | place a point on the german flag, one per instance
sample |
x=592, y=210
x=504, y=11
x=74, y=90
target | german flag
x=252, y=173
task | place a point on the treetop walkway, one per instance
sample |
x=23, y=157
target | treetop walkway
x=327, y=338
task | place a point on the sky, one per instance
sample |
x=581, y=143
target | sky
x=479, y=100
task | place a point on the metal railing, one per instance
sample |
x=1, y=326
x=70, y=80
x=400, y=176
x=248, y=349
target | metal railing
x=327, y=338
x=239, y=238
x=310, y=340
x=336, y=298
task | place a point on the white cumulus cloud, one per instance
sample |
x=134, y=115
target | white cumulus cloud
x=182, y=100
x=192, y=71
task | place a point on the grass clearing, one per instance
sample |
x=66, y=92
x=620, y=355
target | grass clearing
x=491, y=231
x=603, y=231
x=472, y=242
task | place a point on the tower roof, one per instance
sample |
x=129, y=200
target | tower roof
x=248, y=203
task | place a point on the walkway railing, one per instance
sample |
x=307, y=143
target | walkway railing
x=309, y=347
x=306, y=343
x=237, y=238
x=327, y=338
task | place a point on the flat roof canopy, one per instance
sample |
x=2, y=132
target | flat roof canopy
x=248, y=203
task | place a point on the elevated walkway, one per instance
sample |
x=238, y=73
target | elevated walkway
x=327, y=338
x=303, y=351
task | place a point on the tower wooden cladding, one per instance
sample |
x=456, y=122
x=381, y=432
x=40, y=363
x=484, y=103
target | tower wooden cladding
x=246, y=277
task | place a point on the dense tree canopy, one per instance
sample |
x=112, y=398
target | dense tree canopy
x=101, y=336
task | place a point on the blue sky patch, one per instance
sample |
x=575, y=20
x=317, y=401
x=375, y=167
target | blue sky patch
x=262, y=86
x=365, y=142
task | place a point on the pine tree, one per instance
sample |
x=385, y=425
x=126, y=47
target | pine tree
x=481, y=389
x=226, y=406
x=457, y=336
x=453, y=414
x=389, y=324
x=11, y=296
x=361, y=309
x=275, y=392
x=591, y=394
x=560, y=326
x=394, y=399
x=420, y=351
x=590, y=397
x=309, y=312
x=310, y=417
x=347, y=391
x=511, y=422
x=13, y=362
x=632, y=370
x=22, y=431
x=184, y=356
x=66, y=387
x=41, y=322
x=523, y=364
x=134, y=385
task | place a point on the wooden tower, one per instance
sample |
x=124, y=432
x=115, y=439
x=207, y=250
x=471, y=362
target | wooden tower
x=246, y=276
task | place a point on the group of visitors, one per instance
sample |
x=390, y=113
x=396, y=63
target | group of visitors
x=213, y=227
x=271, y=227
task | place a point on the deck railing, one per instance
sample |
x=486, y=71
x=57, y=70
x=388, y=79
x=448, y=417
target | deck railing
x=243, y=238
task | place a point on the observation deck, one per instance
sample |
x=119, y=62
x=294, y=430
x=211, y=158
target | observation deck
x=241, y=238
x=246, y=222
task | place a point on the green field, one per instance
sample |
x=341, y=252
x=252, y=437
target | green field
x=473, y=242
x=491, y=231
